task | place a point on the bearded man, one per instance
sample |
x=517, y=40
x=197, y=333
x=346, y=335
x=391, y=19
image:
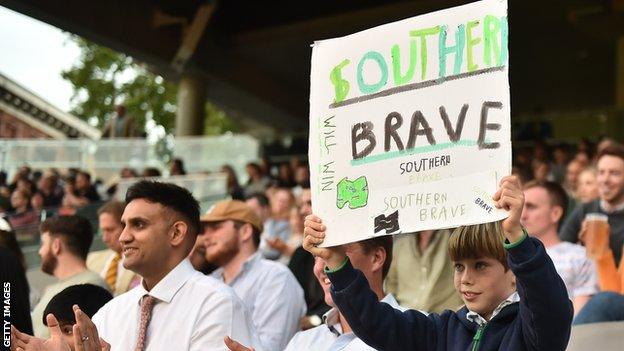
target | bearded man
x=65, y=242
x=231, y=235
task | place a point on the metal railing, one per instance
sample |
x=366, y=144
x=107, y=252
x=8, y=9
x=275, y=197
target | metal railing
x=104, y=158
x=207, y=189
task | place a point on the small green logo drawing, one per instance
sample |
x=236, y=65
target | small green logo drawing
x=355, y=193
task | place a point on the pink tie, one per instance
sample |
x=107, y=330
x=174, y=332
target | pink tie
x=147, y=304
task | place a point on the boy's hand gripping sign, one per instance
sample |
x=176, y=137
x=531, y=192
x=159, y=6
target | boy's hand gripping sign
x=410, y=124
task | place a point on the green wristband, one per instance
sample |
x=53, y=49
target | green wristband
x=507, y=245
x=344, y=263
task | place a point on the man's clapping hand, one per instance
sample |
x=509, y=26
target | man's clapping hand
x=233, y=345
x=85, y=336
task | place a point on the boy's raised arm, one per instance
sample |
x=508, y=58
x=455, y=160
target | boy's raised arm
x=545, y=308
x=376, y=323
x=314, y=235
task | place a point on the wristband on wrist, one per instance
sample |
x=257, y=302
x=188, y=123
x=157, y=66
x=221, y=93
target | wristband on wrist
x=507, y=245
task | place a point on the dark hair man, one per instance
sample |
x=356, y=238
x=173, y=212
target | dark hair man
x=175, y=307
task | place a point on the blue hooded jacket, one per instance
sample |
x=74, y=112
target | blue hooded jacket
x=540, y=321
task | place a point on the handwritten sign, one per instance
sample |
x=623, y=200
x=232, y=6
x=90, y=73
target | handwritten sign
x=410, y=123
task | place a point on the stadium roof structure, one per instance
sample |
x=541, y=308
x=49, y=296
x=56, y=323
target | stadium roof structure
x=256, y=54
x=40, y=114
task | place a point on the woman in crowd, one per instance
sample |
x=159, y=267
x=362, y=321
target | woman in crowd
x=24, y=219
x=233, y=188
x=587, y=189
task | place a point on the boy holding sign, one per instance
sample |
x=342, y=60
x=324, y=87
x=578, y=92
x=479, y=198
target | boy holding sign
x=514, y=298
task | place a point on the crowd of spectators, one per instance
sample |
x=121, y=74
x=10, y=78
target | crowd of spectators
x=561, y=183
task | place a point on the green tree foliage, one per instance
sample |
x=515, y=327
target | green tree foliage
x=102, y=78
x=217, y=122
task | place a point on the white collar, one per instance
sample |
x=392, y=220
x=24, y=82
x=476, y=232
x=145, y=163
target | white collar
x=247, y=265
x=332, y=321
x=476, y=318
x=168, y=286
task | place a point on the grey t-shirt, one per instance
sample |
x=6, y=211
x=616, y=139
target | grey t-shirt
x=85, y=277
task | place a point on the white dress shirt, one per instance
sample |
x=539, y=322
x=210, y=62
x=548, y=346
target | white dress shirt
x=274, y=298
x=192, y=312
x=329, y=336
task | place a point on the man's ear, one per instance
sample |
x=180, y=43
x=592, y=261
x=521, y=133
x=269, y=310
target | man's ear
x=179, y=231
x=245, y=232
x=556, y=214
x=56, y=246
x=378, y=259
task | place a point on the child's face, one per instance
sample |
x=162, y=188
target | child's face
x=483, y=284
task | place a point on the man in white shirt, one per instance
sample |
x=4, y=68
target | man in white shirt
x=108, y=262
x=373, y=257
x=231, y=234
x=175, y=307
x=545, y=204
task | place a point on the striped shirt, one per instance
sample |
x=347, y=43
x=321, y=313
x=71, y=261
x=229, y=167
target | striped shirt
x=576, y=270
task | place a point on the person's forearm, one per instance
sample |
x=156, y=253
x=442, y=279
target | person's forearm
x=545, y=309
x=372, y=321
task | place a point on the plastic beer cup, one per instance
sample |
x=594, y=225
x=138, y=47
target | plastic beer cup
x=597, y=235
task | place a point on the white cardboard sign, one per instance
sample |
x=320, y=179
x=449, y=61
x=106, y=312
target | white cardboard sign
x=410, y=123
